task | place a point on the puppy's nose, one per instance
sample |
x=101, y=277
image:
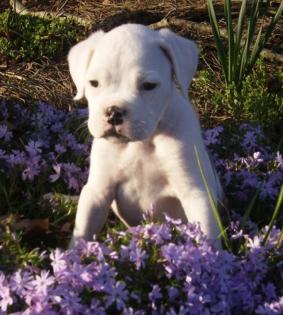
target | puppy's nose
x=115, y=115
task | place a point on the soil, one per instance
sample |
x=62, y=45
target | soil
x=49, y=80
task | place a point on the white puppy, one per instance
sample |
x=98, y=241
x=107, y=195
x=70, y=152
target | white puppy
x=144, y=128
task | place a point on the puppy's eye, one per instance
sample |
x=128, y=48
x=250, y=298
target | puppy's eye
x=94, y=83
x=148, y=86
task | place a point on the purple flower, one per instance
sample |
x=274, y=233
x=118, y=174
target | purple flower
x=249, y=141
x=56, y=127
x=254, y=243
x=236, y=232
x=68, y=300
x=269, y=291
x=17, y=158
x=134, y=253
x=96, y=308
x=54, y=177
x=34, y=147
x=211, y=136
x=60, y=148
x=80, y=274
x=31, y=171
x=5, y=293
x=274, y=308
x=257, y=158
x=71, y=175
x=59, y=262
x=173, y=293
x=4, y=133
x=279, y=160
x=43, y=283
x=116, y=293
x=3, y=155
x=155, y=294
x=21, y=282
x=270, y=188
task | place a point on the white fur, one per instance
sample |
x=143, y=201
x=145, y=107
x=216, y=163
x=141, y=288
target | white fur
x=154, y=163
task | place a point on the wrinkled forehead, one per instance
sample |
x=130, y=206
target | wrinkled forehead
x=122, y=50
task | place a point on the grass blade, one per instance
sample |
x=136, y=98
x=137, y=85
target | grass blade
x=243, y=61
x=260, y=42
x=274, y=21
x=250, y=34
x=217, y=38
x=280, y=238
x=213, y=203
x=274, y=216
x=249, y=209
x=240, y=26
x=230, y=33
x=252, y=22
x=256, y=50
x=266, y=36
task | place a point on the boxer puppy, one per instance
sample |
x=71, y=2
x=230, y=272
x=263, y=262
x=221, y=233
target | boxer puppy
x=145, y=130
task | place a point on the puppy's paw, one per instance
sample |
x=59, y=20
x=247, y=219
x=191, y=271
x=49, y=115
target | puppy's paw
x=74, y=241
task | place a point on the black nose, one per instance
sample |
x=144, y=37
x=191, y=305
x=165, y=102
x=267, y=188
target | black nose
x=115, y=115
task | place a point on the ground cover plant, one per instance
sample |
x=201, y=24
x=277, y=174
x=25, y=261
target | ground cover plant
x=42, y=151
x=151, y=269
x=29, y=38
x=154, y=268
x=260, y=101
x=239, y=59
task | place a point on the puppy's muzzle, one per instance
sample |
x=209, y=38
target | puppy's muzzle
x=115, y=115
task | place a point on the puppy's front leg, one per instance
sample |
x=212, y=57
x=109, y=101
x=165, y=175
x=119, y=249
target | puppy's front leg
x=93, y=209
x=185, y=178
x=197, y=208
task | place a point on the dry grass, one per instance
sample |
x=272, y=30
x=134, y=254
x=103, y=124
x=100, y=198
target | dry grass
x=50, y=81
x=46, y=81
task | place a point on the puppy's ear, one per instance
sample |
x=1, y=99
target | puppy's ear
x=183, y=55
x=79, y=58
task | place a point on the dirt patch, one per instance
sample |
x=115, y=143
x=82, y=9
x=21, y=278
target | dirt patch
x=46, y=81
x=50, y=81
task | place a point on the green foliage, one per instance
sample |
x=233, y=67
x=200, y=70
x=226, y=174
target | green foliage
x=13, y=254
x=260, y=100
x=238, y=59
x=26, y=37
x=21, y=237
x=274, y=216
x=213, y=203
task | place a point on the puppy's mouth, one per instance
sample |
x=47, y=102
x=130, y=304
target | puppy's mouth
x=112, y=134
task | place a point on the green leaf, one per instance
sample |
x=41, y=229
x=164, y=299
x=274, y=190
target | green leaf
x=280, y=239
x=252, y=22
x=240, y=26
x=217, y=38
x=256, y=50
x=274, y=216
x=230, y=33
x=249, y=209
x=243, y=62
x=274, y=20
x=213, y=203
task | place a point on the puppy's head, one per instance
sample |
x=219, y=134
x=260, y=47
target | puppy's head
x=127, y=76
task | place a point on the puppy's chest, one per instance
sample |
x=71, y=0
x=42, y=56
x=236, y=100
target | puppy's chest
x=143, y=182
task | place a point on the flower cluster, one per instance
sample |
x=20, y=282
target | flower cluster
x=167, y=268
x=156, y=269
x=245, y=163
x=42, y=149
x=42, y=145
